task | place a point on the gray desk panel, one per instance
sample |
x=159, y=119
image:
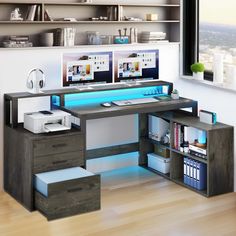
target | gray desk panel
x=97, y=111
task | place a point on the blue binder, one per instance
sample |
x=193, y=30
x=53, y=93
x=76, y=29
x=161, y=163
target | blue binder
x=185, y=170
x=195, y=174
x=201, y=176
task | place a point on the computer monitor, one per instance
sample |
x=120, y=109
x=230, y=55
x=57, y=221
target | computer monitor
x=136, y=65
x=129, y=68
x=79, y=71
x=87, y=68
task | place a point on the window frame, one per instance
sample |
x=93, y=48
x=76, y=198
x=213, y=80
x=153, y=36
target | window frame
x=191, y=37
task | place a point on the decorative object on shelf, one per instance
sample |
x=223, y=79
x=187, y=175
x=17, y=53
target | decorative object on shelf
x=131, y=18
x=166, y=138
x=69, y=37
x=230, y=75
x=93, y=38
x=151, y=17
x=85, y=1
x=17, y=42
x=152, y=37
x=218, y=68
x=133, y=35
x=208, y=117
x=202, y=138
x=16, y=15
x=112, y=13
x=198, y=71
x=46, y=39
x=175, y=94
x=58, y=37
x=36, y=81
x=122, y=39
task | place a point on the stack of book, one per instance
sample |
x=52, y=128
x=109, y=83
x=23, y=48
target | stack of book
x=195, y=174
x=180, y=137
x=153, y=37
x=182, y=143
x=17, y=42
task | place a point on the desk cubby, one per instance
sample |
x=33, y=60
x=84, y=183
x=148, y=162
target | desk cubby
x=219, y=158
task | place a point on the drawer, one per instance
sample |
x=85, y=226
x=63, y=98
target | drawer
x=58, y=161
x=67, y=192
x=54, y=145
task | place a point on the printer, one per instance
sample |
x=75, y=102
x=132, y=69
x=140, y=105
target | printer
x=47, y=121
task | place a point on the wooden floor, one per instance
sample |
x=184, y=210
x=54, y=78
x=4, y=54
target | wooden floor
x=134, y=202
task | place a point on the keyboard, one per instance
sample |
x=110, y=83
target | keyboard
x=137, y=101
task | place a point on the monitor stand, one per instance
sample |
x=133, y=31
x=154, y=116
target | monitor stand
x=84, y=87
x=133, y=83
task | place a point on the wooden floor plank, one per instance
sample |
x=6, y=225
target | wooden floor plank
x=134, y=202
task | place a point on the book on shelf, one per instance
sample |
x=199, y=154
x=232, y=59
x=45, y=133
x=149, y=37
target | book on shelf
x=19, y=38
x=47, y=16
x=180, y=137
x=31, y=13
x=38, y=13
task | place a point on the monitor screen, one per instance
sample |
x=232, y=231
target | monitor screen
x=136, y=65
x=86, y=68
x=79, y=71
x=129, y=67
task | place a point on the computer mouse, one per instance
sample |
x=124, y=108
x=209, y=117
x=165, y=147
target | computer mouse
x=106, y=104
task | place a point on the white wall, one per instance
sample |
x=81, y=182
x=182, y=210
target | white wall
x=15, y=65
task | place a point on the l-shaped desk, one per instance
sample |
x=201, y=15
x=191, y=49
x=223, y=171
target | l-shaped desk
x=68, y=148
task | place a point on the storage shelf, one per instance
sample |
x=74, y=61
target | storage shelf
x=90, y=4
x=181, y=182
x=86, y=46
x=167, y=176
x=88, y=22
x=158, y=143
x=190, y=156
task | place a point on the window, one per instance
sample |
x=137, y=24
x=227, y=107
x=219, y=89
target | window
x=214, y=23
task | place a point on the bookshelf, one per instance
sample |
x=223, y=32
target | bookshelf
x=168, y=12
x=219, y=158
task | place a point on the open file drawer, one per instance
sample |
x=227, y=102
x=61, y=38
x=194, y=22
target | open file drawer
x=66, y=192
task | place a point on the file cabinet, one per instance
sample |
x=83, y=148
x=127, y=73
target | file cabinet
x=27, y=154
x=67, y=192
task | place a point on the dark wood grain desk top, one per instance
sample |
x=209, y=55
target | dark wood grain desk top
x=97, y=111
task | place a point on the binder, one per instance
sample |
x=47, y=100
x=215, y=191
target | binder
x=191, y=172
x=188, y=172
x=185, y=170
x=202, y=176
x=195, y=174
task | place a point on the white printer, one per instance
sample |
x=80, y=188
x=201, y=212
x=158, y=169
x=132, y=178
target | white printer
x=47, y=121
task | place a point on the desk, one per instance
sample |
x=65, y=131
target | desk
x=45, y=152
x=22, y=163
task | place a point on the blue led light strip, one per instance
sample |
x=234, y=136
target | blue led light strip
x=94, y=98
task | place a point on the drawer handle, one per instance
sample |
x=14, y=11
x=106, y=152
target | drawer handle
x=59, y=162
x=59, y=145
x=74, y=190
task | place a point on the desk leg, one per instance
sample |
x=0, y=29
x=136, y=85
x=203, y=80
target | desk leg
x=195, y=109
x=83, y=130
x=145, y=146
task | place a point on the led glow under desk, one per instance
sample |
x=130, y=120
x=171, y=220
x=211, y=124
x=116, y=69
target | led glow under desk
x=35, y=150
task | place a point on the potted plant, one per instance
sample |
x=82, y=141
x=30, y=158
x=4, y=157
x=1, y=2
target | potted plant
x=198, y=71
x=175, y=94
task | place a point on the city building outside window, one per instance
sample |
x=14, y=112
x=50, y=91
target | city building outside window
x=217, y=32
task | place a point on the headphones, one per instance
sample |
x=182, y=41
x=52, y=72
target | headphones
x=36, y=79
